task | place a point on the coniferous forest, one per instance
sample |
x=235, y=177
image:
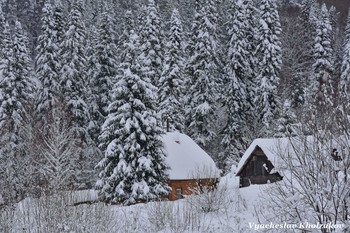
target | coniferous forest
x=88, y=87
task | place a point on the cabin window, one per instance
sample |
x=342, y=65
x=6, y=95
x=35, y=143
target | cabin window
x=178, y=192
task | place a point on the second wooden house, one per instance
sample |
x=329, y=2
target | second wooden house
x=258, y=161
x=191, y=168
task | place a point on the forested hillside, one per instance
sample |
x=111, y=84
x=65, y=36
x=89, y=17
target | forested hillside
x=88, y=87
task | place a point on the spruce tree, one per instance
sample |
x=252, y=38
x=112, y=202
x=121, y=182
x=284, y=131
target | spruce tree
x=59, y=20
x=301, y=73
x=74, y=82
x=171, y=89
x=23, y=65
x=202, y=85
x=128, y=25
x=268, y=53
x=344, y=83
x=250, y=15
x=15, y=97
x=323, y=54
x=103, y=65
x=322, y=84
x=345, y=75
x=238, y=74
x=134, y=166
x=2, y=29
x=152, y=49
x=48, y=63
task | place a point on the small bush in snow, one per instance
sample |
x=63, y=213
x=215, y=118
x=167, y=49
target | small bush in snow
x=175, y=217
x=6, y=218
x=209, y=199
x=57, y=214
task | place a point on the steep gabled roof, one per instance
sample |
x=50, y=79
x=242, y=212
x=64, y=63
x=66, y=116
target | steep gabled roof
x=186, y=159
x=273, y=148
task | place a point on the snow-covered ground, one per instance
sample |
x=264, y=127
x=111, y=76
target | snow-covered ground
x=221, y=211
x=228, y=209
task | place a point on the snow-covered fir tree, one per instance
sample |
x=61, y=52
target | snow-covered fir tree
x=134, y=167
x=345, y=74
x=322, y=83
x=303, y=70
x=74, y=82
x=251, y=24
x=202, y=70
x=103, y=67
x=214, y=21
x=323, y=54
x=336, y=43
x=128, y=26
x=171, y=87
x=23, y=65
x=344, y=83
x=48, y=63
x=333, y=19
x=268, y=53
x=59, y=20
x=2, y=28
x=238, y=74
x=15, y=97
x=151, y=43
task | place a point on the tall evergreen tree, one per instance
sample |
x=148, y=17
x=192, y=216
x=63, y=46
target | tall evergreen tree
x=15, y=96
x=59, y=20
x=323, y=54
x=128, y=25
x=269, y=55
x=2, y=29
x=134, y=166
x=74, y=82
x=322, y=84
x=103, y=68
x=239, y=72
x=336, y=43
x=251, y=24
x=171, y=89
x=48, y=63
x=214, y=21
x=203, y=79
x=345, y=75
x=23, y=65
x=344, y=83
x=152, y=49
x=304, y=54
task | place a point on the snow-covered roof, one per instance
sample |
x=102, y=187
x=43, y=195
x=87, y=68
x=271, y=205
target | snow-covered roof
x=273, y=148
x=269, y=147
x=186, y=159
x=277, y=150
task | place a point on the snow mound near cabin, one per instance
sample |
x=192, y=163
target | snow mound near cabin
x=186, y=159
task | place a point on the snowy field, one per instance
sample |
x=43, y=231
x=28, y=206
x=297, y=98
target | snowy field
x=221, y=211
x=228, y=209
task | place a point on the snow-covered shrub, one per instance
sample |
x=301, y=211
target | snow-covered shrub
x=175, y=217
x=315, y=185
x=6, y=218
x=208, y=199
x=58, y=214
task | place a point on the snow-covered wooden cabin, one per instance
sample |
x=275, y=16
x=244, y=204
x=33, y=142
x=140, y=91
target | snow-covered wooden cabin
x=264, y=160
x=190, y=166
x=258, y=161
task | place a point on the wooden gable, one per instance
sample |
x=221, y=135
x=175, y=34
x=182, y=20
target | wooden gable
x=256, y=169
